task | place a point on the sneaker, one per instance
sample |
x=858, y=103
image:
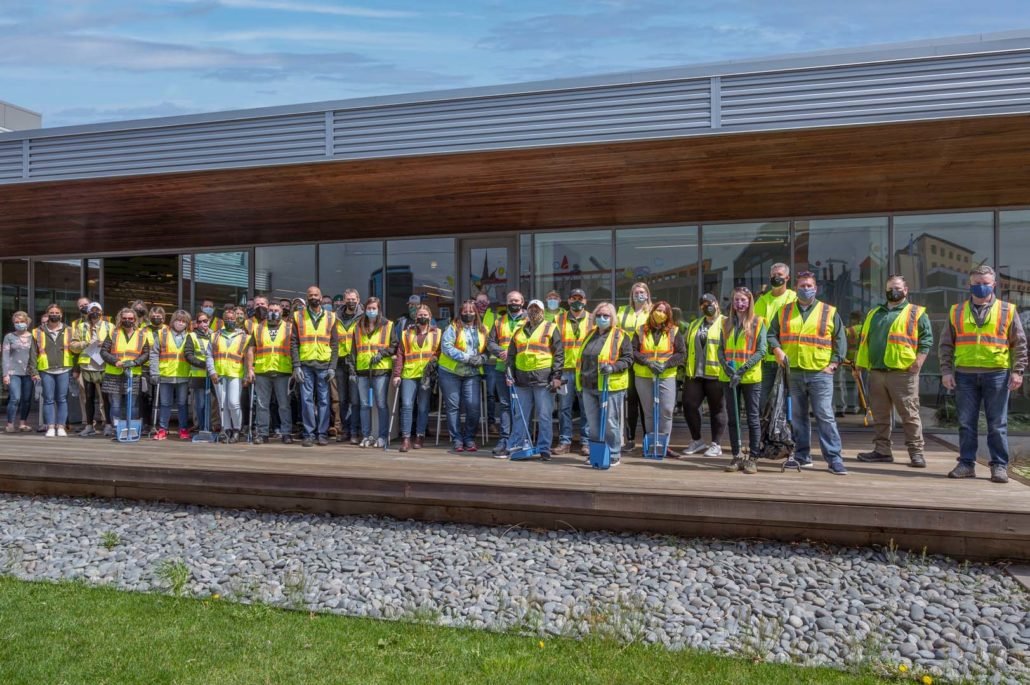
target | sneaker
x=805, y=463
x=184, y=434
x=354, y=440
x=630, y=444
x=736, y=464
x=695, y=447
x=380, y=443
x=307, y=442
x=875, y=457
x=323, y=440
x=50, y=433
x=963, y=470
x=365, y=442
x=917, y=461
x=545, y=456
x=84, y=433
x=714, y=450
x=500, y=448
x=61, y=432
x=471, y=447
x=234, y=437
x=161, y=434
x=287, y=439
x=750, y=467
x=999, y=473
x=562, y=448
x=500, y=454
x=259, y=440
x=836, y=467
x=615, y=461
x=458, y=447
x=108, y=431
x=9, y=428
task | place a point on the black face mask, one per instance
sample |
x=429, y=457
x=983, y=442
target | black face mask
x=895, y=295
x=128, y=324
x=53, y=318
x=93, y=316
x=230, y=325
x=422, y=321
x=515, y=309
x=577, y=306
x=315, y=303
x=157, y=321
x=777, y=281
x=261, y=313
x=467, y=318
x=709, y=310
x=349, y=307
x=83, y=310
x=141, y=314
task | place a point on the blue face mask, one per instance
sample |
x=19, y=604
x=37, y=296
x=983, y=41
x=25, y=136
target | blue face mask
x=21, y=326
x=640, y=297
x=553, y=304
x=210, y=311
x=806, y=294
x=327, y=308
x=981, y=291
x=371, y=313
x=604, y=322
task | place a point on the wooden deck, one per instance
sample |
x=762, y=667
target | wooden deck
x=693, y=497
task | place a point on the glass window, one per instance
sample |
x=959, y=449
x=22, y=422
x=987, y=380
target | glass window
x=487, y=268
x=14, y=277
x=421, y=267
x=741, y=255
x=351, y=265
x=1014, y=282
x=525, y=263
x=93, y=279
x=221, y=277
x=284, y=271
x=849, y=258
x=60, y=281
x=664, y=257
x=577, y=259
x=151, y=278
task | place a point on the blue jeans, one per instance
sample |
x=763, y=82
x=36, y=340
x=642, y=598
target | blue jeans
x=201, y=403
x=565, y=411
x=120, y=403
x=592, y=412
x=179, y=393
x=540, y=399
x=350, y=404
x=20, y=400
x=55, y=392
x=461, y=394
x=503, y=411
x=990, y=390
x=314, y=402
x=379, y=386
x=410, y=388
x=815, y=389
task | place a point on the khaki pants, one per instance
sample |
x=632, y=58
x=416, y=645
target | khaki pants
x=895, y=390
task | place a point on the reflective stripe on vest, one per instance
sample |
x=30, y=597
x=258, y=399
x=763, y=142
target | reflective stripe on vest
x=125, y=350
x=986, y=346
x=345, y=336
x=533, y=351
x=228, y=354
x=631, y=320
x=272, y=354
x=171, y=360
x=739, y=348
x=200, y=352
x=712, y=366
x=902, y=339
x=504, y=332
x=368, y=345
x=655, y=352
x=609, y=355
x=451, y=364
x=807, y=342
x=769, y=306
x=314, y=338
x=82, y=332
x=42, y=363
x=416, y=357
x=573, y=343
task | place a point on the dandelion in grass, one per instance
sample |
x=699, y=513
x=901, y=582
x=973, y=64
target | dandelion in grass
x=540, y=644
x=927, y=680
x=216, y=596
x=902, y=668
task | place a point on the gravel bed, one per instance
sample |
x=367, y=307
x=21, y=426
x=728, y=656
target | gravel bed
x=802, y=603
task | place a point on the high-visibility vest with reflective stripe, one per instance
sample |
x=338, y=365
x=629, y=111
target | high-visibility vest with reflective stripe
x=854, y=338
x=171, y=360
x=631, y=320
x=656, y=352
x=368, y=345
x=451, y=364
x=314, y=338
x=573, y=341
x=150, y=335
x=104, y=329
x=609, y=355
x=807, y=343
x=345, y=336
x=40, y=336
x=489, y=318
x=272, y=354
x=712, y=366
x=769, y=306
x=200, y=352
x=739, y=347
x=125, y=349
x=215, y=324
x=417, y=357
x=902, y=339
x=986, y=346
x=533, y=351
x=504, y=331
x=228, y=354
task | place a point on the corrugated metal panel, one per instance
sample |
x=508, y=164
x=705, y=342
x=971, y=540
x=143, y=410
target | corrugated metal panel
x=10, y=161
x=585, y=115
x=956, y=86
x=271, y=140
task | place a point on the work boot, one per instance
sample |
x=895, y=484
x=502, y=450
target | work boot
x=917, y=461
x=287, y=439
x=323, y=440
x=420, y=441
x=562, y=448
x=405, y=444
x=999, y=473
x=736, y=464
x=875, y=457
x=963, y=470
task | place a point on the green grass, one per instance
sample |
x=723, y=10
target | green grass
x=72, y=633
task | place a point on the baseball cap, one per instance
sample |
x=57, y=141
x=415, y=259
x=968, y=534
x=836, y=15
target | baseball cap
x=94, y=305
x=578, y=291
x=535, y=303
x=414, y=299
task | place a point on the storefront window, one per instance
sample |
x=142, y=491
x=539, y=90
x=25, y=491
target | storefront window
x=284, y=271
x=665, y=258
x=420, y=267
x=849, y=258
x=59, y=281
x=14, y=277
x=525, y=263
x=741, y=255
x=93, y=279
x=151, y=278
x=221, y=277
x=1014, y=286
x=351, y=265
x=566, y=261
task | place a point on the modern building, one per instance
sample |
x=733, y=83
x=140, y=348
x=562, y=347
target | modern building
x=15, y=118
x=852, y=164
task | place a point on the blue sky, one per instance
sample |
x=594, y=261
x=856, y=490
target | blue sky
x=82, y=61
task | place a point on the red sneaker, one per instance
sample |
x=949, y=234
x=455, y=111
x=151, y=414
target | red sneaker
x=184, y=434
x=161, y=434
x=471, y=447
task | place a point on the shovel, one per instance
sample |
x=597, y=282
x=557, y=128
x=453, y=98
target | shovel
x=206, y=435
x=655, y=444
x=128, y=429
x=600, y=452
x=527, y=450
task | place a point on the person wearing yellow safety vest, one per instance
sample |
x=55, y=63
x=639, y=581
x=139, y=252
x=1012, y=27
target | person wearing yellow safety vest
x=573, y=326
x=416, y=356
x=207, y=306
x=463, y=358
x=82, y=306
x=225, y=365
x=552, y=307
x=701, y=343
x=124, y=352
x=768, y=306
x=606, y=353
x=314, y=349
x=170, y=374
x=847, y=398
x=983, y=357
x=536, y=360
x=52, y=363
x=90, y=334
x=348, y=414
x=658, y=348
x=196, y=351
x=369, y=365
x=893, y=343
x=510, y=320
x=741, y=350
x=489, y=318
x=631, y=318
x=809, y=335
x=269, y=368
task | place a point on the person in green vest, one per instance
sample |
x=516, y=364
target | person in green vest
x=124, y=352
x=742, y=347
x=417, y=352
x=983, y=357
x=462, y=360
x=170, y=374
x=314, y=349
x=630, y=318
x=573, y=326
x=606, y=353
x=489, y=318
x=52, y=364
x=768, y=306
x=370, y=364
x=658, y=349
x=269, y=368
x=225, y=367
x=196, y=351
x=701, y=341
x=536, y=360
x=893, y=343
x=348, y=413
x=552, y=307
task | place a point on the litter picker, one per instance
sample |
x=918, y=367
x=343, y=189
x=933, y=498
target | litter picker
x=526, y=450
x=128, y=429
x=206, y=435
x=600, y=452
x=863, y=398
x=655, y=444
x=393, y=413
x=790, y=462
x=155, y=395
x=735, y=408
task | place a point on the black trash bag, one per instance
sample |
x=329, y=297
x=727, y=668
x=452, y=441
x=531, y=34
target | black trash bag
x=777, y=434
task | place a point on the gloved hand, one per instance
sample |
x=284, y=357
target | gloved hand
x=352, y=378
x=476, y=360
x=656, y=367
x=396, y=380
x=376, y=358
x=606, y=368
x=298, y=375
x=735, y=379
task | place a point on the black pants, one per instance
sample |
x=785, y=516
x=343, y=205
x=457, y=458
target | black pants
x=748, y=396
x=696, y=390
x=634, y=408
x=93, y=397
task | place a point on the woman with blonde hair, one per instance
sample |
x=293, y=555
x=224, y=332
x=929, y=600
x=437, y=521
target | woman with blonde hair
x=607, y=354
x=741, y=350
x=170, y=373
x=658, y=350
x=370, y=362
x=630, y=319
x=18, y=377
x=463, y=356
x=417, y=353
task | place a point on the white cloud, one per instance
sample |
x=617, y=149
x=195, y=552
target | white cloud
x=314, y=8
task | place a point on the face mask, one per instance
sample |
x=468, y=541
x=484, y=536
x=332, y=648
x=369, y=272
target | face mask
x=412, y=311
x=53, y=318
x=328, y=307
x=659, y=317
x=157, y=320
x=806, y=294
x=84, y=310
x=230, y=325
x=315, y=303
x=553, y=304
x=515, y=310
x=577, y=306
x=740, y=306
x=250, y=312
x=371, y=313
x=210, y=311
x=128, y=324
x=141, y=314
x=604, y=322
x=422, y=321
x=467, y=318
x=709, y=310
x=275, y=316
x=93, y=316
x=21, y=326
x=981, y=291
x=179, y=326
x=349, y=307
x=261, y=313
x=777, y=281
x=536, y=316
x=895, y=295
x=640, y=297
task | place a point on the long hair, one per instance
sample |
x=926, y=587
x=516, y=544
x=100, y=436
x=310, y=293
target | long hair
x=670, y=324
x=746, y=320
x=366, y=325
x=640, y=284
x=477, y=323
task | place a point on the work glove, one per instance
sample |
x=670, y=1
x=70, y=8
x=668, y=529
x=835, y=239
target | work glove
x=606, y=368
x=376, y=358
x=735, y=379
x=352, y=378
x=396, y=380
x=656, y=368
x=476, y=360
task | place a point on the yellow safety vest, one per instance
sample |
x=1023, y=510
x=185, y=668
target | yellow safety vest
x=200, y=352
x=345, y=336
x=712, y=366
x=125, y=349
x=609, y=355
x=272, y=355
x=533, y=351
x=228, y=354
x=768, y=307
x=104, y=329
x=171, y=360
x=42, y=363
x=503, y=330
x=417, y=357
x=807, y=343
x=739, y=347
x=986, y=346
x=631, y=320
x=451, y=364
x=368, y=345
x=656, y=352
x=314, y=338
x=572, y=341
x=902, y=339
x=489, y=317
x=553, y=317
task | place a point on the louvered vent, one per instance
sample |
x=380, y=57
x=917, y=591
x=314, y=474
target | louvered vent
x=10, y=161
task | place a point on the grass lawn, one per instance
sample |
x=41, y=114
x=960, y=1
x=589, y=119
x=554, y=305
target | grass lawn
x=71, y=633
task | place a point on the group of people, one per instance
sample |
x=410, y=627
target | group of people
x=330, y=362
